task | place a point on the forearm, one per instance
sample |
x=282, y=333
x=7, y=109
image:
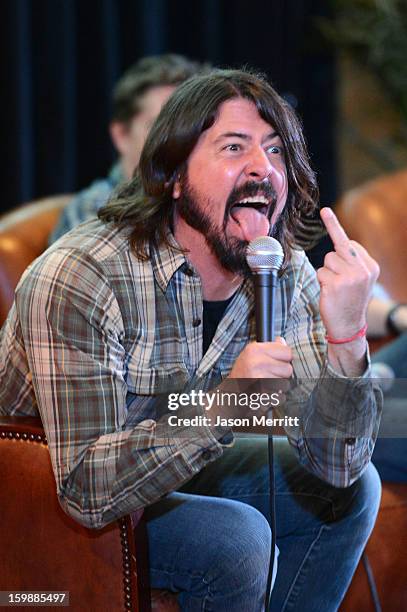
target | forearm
x=126, y=471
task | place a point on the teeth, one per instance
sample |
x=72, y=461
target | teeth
x=254, y=200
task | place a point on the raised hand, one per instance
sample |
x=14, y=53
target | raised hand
x=346, y=281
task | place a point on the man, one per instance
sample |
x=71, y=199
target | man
x=137, y=99
x=157, y=301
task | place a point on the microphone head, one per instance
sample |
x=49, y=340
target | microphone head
x=264, y=254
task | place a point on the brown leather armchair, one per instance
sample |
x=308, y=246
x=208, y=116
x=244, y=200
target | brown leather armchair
x=43, y=548
x=375, y=215
x=23, y=237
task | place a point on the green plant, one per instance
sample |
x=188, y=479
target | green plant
x=375, y=33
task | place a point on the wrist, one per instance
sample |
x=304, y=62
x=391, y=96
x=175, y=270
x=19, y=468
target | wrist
x=347, y=339
x=349, y=359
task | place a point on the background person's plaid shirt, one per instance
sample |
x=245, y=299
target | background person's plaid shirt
x=95, y=335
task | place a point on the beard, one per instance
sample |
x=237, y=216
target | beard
x=229, y=250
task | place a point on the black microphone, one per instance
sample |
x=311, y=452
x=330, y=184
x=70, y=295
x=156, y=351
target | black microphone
x=264, y=257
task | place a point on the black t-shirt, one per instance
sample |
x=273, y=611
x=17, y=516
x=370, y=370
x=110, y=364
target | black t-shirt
x=212, y=314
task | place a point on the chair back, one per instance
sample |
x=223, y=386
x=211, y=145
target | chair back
x=375, y=215
x=24, y=236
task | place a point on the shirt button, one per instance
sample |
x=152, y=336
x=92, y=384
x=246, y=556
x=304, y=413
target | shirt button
x=188, y=271
x=350, y=441
x=226, y=439
x=207, y=455
x=196, y=322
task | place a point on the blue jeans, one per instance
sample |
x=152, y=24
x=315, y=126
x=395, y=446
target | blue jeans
x=210, y=541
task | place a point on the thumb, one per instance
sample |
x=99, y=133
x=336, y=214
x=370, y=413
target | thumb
x=281, y=340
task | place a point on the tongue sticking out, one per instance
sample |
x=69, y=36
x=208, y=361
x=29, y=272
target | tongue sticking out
x=252, y=222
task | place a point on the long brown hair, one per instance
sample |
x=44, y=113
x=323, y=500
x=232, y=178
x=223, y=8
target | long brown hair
x=145, y=203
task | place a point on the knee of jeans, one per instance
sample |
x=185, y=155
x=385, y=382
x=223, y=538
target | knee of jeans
x=243, y=555
x=368, y=490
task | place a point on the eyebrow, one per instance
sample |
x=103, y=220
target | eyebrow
x=243, y=136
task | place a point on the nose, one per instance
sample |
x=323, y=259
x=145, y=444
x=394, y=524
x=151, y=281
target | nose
x=258, y=165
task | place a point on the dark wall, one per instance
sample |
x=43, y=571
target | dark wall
x=60, y=59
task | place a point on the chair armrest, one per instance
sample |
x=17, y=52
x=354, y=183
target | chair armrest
x=48, y=550
x=18, y=426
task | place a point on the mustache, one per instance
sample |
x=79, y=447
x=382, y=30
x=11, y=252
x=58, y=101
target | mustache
x=250, y=190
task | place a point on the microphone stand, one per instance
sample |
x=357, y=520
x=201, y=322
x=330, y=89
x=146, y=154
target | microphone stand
x=264, y=292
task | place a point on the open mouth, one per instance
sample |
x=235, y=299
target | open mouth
x=258, y=203
x=251, y=208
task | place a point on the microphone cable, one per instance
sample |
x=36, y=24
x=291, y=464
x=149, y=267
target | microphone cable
x=272, y=508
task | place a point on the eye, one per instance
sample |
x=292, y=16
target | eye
x=232, y=147
x=275, y=150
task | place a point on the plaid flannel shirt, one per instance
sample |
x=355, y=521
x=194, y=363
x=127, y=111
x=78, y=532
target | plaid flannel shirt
x=96, y=335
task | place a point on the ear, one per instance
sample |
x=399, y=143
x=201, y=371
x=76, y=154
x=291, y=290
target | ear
x=119, y=134
x=176, y=190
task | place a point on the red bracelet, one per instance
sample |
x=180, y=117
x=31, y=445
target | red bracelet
x=360, y=334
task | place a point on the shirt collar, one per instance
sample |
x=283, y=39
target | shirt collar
x=166, y=260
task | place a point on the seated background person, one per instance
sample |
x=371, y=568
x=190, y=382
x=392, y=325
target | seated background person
x=137, y=99
x=112, y=317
